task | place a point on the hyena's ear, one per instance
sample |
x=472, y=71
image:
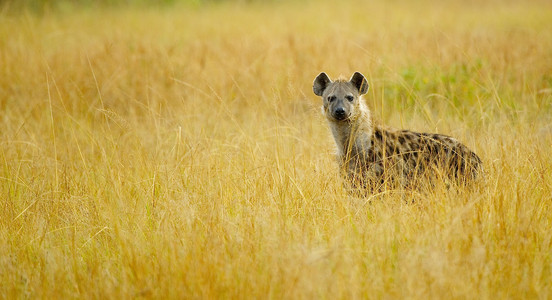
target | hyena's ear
x=360, y=83
x=320, y=83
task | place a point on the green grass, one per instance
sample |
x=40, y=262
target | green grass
x=179, y=152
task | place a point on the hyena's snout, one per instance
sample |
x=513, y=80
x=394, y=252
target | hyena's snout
x=340, y=112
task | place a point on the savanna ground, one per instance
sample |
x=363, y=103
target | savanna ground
x=178, y=150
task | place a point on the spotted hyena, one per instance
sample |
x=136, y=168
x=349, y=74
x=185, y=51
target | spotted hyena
x=372, y=155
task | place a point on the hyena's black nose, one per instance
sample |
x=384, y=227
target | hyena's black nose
x=339, y=113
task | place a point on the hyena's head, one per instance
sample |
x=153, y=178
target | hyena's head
x=341, y=98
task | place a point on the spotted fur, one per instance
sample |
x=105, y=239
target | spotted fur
x=372, y=155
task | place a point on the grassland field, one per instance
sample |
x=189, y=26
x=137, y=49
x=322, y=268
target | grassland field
x=178, y=151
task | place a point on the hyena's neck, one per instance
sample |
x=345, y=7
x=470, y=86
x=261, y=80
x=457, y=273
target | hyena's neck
x=354, y=135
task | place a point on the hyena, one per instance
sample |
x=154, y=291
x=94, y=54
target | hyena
x=372, y=155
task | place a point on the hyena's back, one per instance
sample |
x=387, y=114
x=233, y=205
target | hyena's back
x=415, y=154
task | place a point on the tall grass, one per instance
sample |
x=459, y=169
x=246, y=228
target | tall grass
x=181, y=153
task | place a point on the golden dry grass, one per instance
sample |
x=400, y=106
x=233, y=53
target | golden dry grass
x=179, y=152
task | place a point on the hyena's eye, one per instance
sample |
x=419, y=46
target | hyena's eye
x=350, y=98
x=331, y=98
